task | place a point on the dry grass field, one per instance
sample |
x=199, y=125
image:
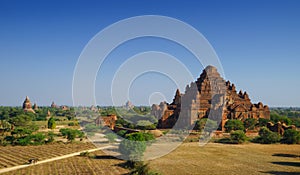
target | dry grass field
x=227, y=159
x=101, y=164
x=19, y=155
x=189, y=158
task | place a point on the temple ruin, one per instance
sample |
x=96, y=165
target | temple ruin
x=209, y=96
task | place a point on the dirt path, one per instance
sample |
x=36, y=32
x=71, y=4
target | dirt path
x=52, y=159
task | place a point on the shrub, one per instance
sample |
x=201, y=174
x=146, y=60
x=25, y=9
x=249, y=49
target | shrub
x=207, y=124
x=71, y=134
x=20, y=131
x=263, y=122
x=134, y=146
x=122, y=133
x=3, y=142
x=148, y=136
x=73, y=124
x=51, y=136
x=38, y=139
x=238, y=136
x=84, y=154
x=234, y=124
x=24, y=141
x=283, y=119
x=51, y=123
x=140, y=168
x=267, y=137
x=250, y=123
x=132, y=150
x=145, y=125
x=10, y=139
x=291, y=136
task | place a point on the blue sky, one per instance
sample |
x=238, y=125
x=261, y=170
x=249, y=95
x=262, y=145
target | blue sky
x=258, y=43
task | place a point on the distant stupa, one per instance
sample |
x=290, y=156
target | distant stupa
x=53, y=105
x=27, y=107
x=35, y=107
x=129, y=105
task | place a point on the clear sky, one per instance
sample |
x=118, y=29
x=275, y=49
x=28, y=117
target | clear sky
x=258, y=43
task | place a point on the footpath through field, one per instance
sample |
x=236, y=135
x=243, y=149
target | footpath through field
x=52, y=159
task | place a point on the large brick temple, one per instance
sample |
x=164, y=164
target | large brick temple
x=210, y=96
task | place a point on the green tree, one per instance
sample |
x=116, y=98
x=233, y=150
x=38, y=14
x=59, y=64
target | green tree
x=145, y=125
x=205, y=123
x=122, y=133
x=250, y=123
x=238, y=136
x=267, y=137
x=38, y=138
x=283, y=119
x=24, y=141
x=20, y=132
x=71, y=134
x=291, y=136
x=234, y=124
x=50, y=138
x=51, y=123
x=140, y=168
x=134, y=145
x=21, y=120
x=263, y=122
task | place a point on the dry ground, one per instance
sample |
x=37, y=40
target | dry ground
x=215, y=158
x=189, y=158
x=19, y=155
x=101, y=164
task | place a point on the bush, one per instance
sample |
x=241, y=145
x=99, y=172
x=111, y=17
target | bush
x=38, y=138
x=145, y=125
x=9, y=139
x=291, y=136
x=140, y=168
x=134, y=145
x=263, y=122
x=51, y=123
x=24, y=141
x=267, y=137
x=51, y=136
x=71, y=134
x=84, y=154
x=283, y=119
x=238, y=136
x=35, y=139
x=22, y=119
x=122, y=133
x=21, y=131
x=73, y=124
x=250, y=123
x=207, y=124
x=132, y=150
x=148, y=136
x=234, y=124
